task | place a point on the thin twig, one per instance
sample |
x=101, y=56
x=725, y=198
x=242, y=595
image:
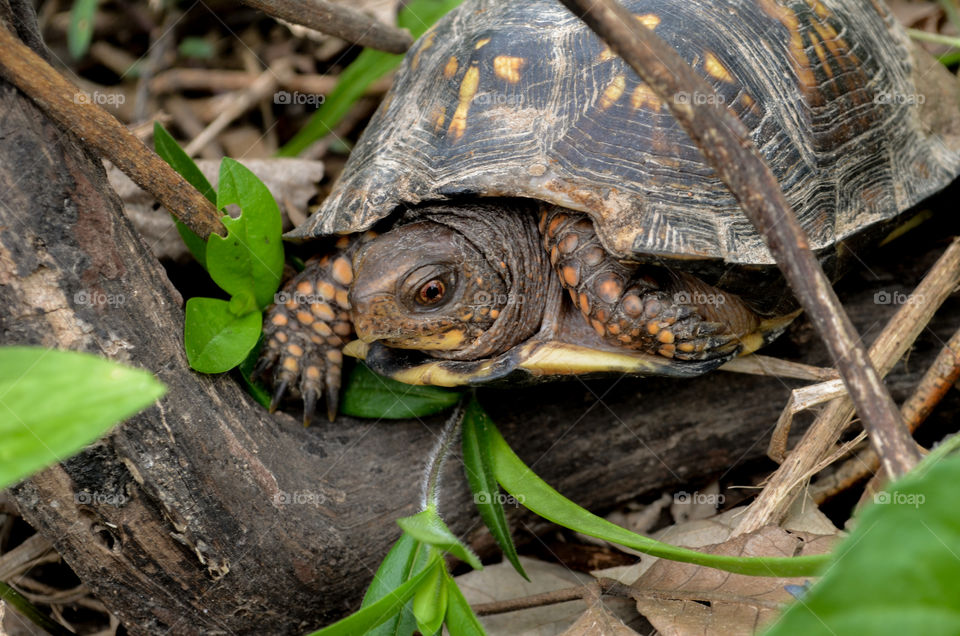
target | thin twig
x=936, y=382
x=592, y=590
x=725, y=143
x=338, y=20
x=756, y=364
x=262, y=87
x=76, y=112
x=772, y=503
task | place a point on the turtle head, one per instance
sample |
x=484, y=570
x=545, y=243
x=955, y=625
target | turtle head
x=425, y=286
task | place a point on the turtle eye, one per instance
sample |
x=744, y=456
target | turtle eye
x=431, y=292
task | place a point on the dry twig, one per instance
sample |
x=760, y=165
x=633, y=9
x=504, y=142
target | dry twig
x=936, y=382
x=726, y=144
x=820, y=438
x=338, y=20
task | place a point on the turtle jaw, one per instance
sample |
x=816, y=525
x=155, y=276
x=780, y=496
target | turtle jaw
x=376, y=321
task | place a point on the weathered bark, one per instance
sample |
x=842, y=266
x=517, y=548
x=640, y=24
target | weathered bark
x=178, y=520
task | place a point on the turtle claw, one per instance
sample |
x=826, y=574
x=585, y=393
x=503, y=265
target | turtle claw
x=278, y=393
x=309, y=406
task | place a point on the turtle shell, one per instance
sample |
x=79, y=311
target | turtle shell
x=521, y=99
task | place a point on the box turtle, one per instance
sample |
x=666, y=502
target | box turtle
x=523, y=206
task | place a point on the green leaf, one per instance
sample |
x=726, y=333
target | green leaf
x=461, y=621
x=250, y=258
x=215, y=338
x=483, y=483
x=897, y=572
x=53, y=403
x=171, y=152
x=80, y=31
x=405, y=557
x=427, y=527
x=430, y=602
x=371, y=395
x=369, y=617
x=369, y=66
x=257, y=390
x=197, y=48
x=536, y=495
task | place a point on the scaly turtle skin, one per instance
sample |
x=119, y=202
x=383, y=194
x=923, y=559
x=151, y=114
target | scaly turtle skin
x=544, y=214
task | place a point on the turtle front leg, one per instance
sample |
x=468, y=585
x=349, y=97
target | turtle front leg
x=306, y=329
x=646, y=308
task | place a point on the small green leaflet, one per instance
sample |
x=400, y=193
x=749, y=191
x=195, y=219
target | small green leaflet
x=374, y=396
x=460, y=620
x=486, y=492
x=379, y=612
x=80, y=31
x=430, y=602
x=406, y=557
x=171, y=152
x=250, y=258
x=53, y=403
x=427, y=527
x=216, y=339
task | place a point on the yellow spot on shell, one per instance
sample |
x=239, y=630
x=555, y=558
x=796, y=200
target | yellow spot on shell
x=821, y=11
x=818, y=49
x=649, y=20
x=613, y=92
x=427, y=43
x=468, y=89
x=439, y=117
x=508, y=68
x=451, y=68
x=798, y=55
x=643, y=96
x=715, y=68
x=606, y=54
x=481, y=43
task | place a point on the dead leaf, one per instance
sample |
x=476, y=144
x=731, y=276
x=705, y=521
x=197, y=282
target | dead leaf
x=500, y=583
x=683, y=599
x=598, y=621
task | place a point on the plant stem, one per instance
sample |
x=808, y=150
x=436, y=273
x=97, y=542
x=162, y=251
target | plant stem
x=431, y=482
